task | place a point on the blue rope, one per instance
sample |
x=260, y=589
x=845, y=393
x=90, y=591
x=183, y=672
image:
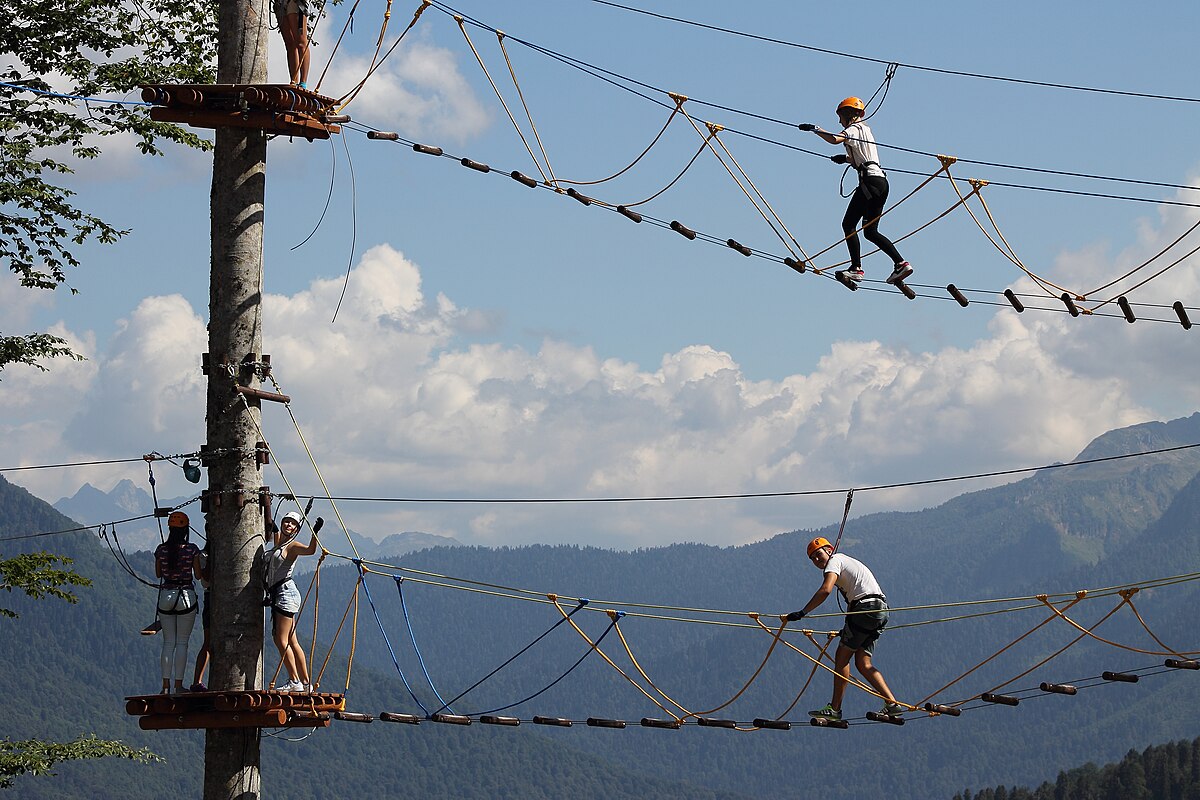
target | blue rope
x=74, y=96
x=611, y=625
x=375, y=611
x=413, y=637
x=522, y=652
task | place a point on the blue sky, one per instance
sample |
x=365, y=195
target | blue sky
x=498, y=341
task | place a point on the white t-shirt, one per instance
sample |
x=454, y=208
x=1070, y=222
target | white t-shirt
x=860, y=148
x=854, y=579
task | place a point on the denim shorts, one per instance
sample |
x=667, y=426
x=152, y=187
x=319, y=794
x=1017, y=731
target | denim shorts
x=286, y=599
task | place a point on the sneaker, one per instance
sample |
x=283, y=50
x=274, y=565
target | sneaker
x=152, y=628
x=902, y=271
x=850, y=278
x=198, y=687
x=828, y=712
x=293, y=687
x=892, y=709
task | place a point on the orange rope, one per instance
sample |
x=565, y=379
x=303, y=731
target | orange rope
x=812, y=673
x=1078, y=598
x=1127, y=593
x=346, y=613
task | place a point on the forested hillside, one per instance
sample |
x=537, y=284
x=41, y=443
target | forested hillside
x=1104, y=525
x=1162, y=772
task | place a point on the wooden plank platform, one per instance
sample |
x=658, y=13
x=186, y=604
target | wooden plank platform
x=249, y=709
x=274, y=108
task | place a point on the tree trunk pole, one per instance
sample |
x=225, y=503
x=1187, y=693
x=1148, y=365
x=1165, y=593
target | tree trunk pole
x=234, y=520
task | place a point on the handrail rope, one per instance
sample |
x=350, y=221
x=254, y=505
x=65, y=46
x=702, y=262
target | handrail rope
x=672, y=182
x=713, y=129
x=462, y=26
x=528, y=115
x=614, y=616
x=387, y=640
x=387, y=16
x=1078, y=598
x=946, y=161
x=1063, y=649
x=1099, y=592
x=270, y=450
x=413, y=638
x=592, y=648
x=316, y=469
x=378, y=62
x=336, y=45
x=1130, y=648
x=337, y=634
x=632, y=164
x=511, y=659
x=1147, y=262
x=1007, y=250
x=822, y=653
x=1174, y=263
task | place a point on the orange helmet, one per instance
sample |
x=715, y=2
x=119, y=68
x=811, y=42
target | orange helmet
x=817, y=543
x=178, y=519
x=852, y=103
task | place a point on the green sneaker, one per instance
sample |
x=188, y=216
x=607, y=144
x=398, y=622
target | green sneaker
x=892, y=709
x=828, y=712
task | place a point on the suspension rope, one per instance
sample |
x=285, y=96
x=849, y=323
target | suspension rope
x=673, y=180
x=416, y=649
x=462, y=26
x=821, y=654
x=511, y=659
x=614, y=616
x=1125, y=598
x=1078, y=598
x=376, y=63
x=618, y=173
x=388, y=642
x=353, y=603
x=591, y=648
x=528, y=115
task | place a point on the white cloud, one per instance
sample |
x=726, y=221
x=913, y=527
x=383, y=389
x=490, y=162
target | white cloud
x=418, y=91
x=392, y=405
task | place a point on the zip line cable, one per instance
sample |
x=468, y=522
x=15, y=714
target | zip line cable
x=755, y=495
x=917, y=67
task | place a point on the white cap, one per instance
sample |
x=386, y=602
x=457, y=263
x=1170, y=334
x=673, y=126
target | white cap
x=294, y=516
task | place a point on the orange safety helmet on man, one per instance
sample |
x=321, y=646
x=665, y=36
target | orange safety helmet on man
x=816, y=544
x=851, y=103
x=177, y=519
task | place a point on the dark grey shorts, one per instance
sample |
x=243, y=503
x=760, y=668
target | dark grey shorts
x=862, y=630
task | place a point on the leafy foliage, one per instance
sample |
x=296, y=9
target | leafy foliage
x=35, y=757
x=1162, y=771
x=36, y=575
x=95, y=47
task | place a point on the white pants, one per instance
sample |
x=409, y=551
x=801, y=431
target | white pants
x=176, y=629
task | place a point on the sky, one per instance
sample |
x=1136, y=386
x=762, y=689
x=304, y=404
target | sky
x=500, y=342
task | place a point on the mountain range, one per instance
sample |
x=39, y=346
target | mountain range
x=452, y=615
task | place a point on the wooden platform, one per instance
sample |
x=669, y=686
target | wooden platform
x=274, y=108
x=253, y=709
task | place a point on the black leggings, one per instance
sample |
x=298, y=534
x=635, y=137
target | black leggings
x=867, y=203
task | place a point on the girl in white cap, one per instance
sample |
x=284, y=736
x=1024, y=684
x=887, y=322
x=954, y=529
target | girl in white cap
x=285, y=600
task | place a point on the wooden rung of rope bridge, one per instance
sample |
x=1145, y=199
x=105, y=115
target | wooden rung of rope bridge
x=273, y=108
x=249, y=709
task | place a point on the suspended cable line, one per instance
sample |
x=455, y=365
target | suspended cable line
x=755, y=495
x=917, y=67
